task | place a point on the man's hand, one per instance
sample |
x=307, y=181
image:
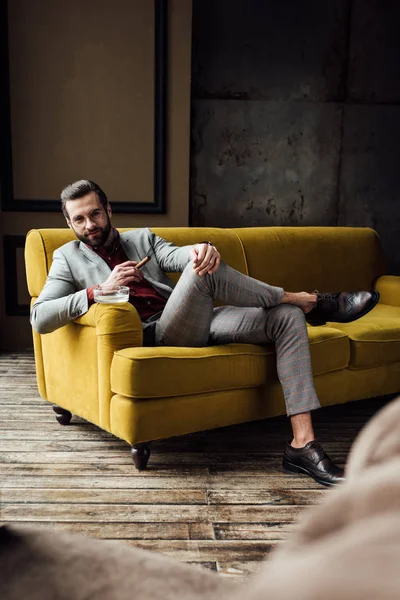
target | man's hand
x=124, y=274
x=206, y=259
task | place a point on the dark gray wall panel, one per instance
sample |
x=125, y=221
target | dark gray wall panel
x=374, y=67
x=270, y=83
x=264, y=163
x=370, y=175
x=279, y=50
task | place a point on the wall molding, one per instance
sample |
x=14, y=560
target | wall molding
x=158, y=206
x=10, y=245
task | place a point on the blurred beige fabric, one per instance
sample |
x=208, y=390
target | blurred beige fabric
x=348, y=547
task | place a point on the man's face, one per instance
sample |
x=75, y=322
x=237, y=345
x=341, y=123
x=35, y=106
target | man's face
x=89, y=220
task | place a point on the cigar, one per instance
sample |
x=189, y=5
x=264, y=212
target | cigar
x=143, y=262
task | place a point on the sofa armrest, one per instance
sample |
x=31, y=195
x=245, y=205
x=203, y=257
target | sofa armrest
x=389, y=288
x=120, y=323
x=117, y=326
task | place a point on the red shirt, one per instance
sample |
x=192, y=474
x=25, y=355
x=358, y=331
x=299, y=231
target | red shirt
x=142, y=295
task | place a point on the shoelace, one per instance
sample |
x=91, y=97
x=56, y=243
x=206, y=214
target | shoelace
x=325, y=295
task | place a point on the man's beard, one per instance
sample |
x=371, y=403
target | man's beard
x=100, y=237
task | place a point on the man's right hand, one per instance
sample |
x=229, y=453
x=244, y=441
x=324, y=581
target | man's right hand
x=124, y=274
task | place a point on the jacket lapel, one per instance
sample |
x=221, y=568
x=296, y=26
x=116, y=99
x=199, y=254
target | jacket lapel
x=130, y=249
x=133, y=253
x=94, y=258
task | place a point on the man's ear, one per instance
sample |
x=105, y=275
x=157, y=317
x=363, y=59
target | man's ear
x=109, y=211
x=69, y=224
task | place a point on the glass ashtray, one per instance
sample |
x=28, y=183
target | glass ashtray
x=111, y=294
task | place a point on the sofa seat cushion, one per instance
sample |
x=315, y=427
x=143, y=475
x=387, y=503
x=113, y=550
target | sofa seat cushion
x=174, y=371
x=375, y=338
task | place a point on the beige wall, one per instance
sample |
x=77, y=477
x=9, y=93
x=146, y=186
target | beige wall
x=87, y=69
x=137, y=184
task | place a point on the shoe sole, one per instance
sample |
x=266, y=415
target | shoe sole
x=289, y=467
x=365, y=312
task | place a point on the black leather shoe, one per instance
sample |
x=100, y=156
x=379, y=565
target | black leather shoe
x=342, y=307
x=312, y=460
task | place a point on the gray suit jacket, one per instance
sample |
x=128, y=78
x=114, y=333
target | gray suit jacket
x=76, y=267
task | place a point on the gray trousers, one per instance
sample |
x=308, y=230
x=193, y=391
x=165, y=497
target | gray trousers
x=254, y=315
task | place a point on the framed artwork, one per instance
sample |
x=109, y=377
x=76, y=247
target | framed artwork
x=84, y=97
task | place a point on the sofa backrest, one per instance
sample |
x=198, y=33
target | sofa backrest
x=309, y=258
x=41, y=243
x=296, y=258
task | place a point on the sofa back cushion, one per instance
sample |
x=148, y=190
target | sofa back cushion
x=296, y=258
x=41, y=243
x=308, y=258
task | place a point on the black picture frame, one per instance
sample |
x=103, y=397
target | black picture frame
x=159, y=204
x=10, y=245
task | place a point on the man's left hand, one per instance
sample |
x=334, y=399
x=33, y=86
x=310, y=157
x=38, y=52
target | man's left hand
x=206, y=259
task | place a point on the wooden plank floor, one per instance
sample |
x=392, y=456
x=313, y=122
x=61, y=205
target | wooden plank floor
x=217, y=499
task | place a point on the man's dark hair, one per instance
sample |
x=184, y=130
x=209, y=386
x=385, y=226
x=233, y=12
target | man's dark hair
x=81, y=188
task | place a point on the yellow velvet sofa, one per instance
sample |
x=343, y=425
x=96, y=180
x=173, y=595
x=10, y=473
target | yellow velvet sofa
x=97, y=368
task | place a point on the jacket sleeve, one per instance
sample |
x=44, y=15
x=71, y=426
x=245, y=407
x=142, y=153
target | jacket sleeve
x=59, y=302
x=171, y=258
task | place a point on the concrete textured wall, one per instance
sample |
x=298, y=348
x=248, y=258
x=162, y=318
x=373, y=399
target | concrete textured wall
x=296, y=115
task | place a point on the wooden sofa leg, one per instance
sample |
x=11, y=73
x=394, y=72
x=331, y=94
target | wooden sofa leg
x=140, y=455
x=63, y=416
